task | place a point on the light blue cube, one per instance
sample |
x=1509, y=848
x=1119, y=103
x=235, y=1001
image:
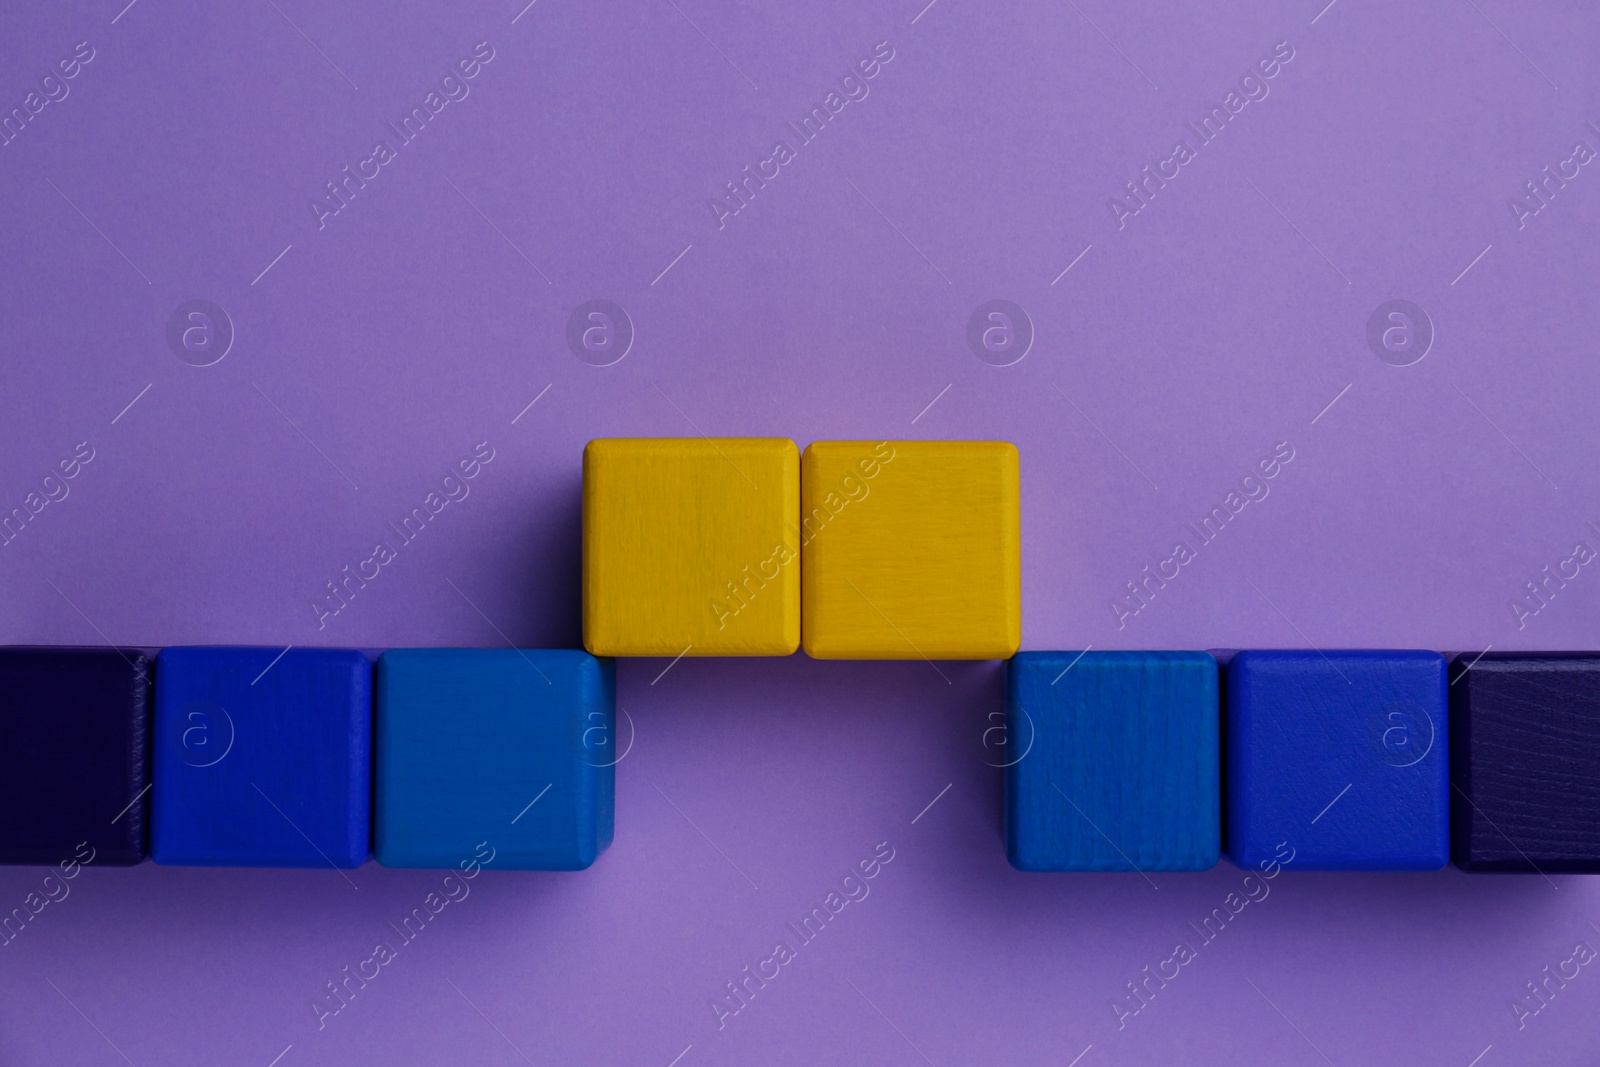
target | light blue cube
x=1114, y=762
x=502, y=752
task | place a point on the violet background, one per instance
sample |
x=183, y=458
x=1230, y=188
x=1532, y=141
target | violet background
x=1212, y=326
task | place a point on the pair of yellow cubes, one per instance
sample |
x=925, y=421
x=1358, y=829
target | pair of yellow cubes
x=860, y=550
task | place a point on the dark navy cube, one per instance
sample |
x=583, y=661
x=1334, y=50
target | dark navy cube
x=1112, y=762
x=511, y=749
x=73, y=768
x=1340, y=756
x=1525, y=762
x=262, y=757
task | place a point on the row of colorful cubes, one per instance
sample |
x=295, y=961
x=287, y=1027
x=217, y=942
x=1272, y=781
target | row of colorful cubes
x=1131, y=761
x=306, y=757
x=1378, y=760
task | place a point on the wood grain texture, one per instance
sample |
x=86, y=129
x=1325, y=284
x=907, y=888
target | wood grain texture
x=74, y=764
x=1340, y=758
x=1114, y=762
x=1525, y=762
x=261, y=757
x=691, y=544
x=510, y=751
x=911, y=550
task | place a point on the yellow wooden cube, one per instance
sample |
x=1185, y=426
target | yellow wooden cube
x=911, y=549
x=691, y=546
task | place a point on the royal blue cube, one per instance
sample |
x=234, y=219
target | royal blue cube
x=262, y=757
x=1343, y=756
x=514, y=749
x=73, y=768
x=1112, y=762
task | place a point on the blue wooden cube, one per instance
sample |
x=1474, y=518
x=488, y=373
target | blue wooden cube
x=1525, y=762
x=74, y=724
x=261, y=757
x=509, y=748
x=1343, y=756
x=1114, y=762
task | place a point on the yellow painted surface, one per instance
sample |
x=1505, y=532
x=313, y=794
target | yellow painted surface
x=691, y=543
x=911, y=550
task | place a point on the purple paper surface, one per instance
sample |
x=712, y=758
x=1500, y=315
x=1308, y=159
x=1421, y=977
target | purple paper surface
x=349, y=355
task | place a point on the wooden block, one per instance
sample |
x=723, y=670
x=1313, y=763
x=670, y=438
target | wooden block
x=502, y=752
x=911, y=550
x=1113, y=762
x=1340, y=759
x=690, y=547
x=261, y=757
x=73, y=766
x=1525, y=761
